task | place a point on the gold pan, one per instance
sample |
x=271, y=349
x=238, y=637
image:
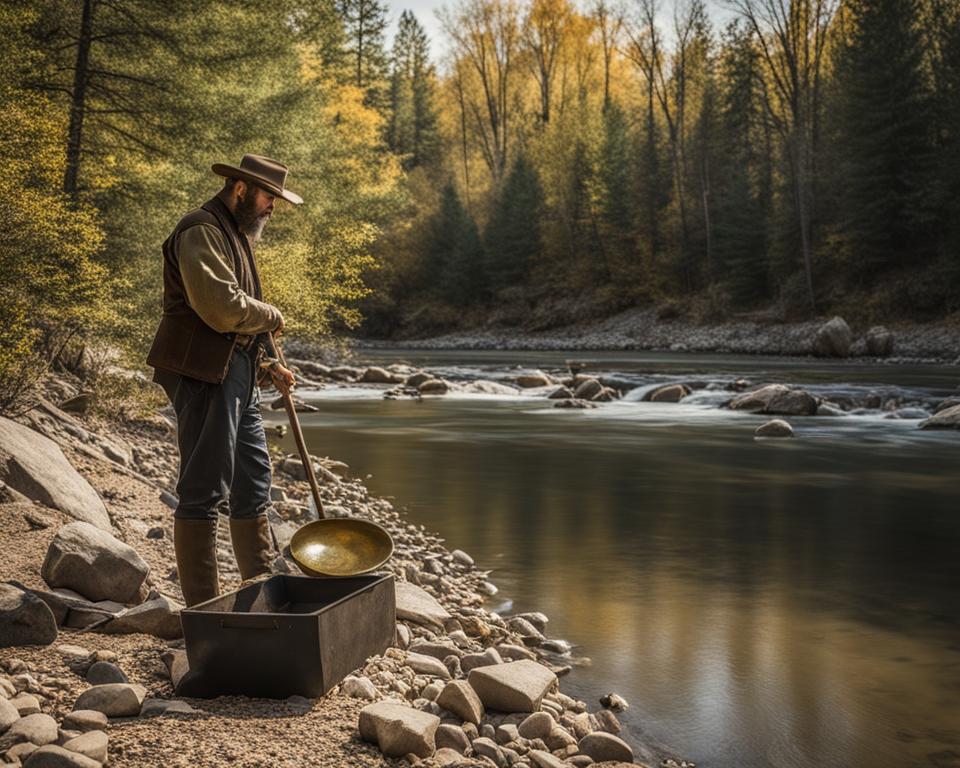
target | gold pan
x=340, y=547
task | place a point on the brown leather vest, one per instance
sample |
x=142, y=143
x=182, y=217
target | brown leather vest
x=184, y=344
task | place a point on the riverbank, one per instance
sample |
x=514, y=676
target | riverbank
x=653, y=330
x=131, y=465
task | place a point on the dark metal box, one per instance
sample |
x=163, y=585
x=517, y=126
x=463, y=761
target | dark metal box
x=287, y=635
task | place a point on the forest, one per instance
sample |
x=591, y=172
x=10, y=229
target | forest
x=547, y=161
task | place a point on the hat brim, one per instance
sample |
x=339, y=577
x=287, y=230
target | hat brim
x=232, y=172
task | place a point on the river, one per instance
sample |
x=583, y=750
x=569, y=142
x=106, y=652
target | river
x=785, y=603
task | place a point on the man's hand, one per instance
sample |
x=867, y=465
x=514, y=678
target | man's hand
x=283, y=378
x=279, y=329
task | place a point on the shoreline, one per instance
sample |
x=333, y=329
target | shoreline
x=131, y=465
x=641, y=330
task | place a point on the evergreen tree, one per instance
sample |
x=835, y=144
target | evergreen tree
x=365, y=22
x=615, y=202
x=412, y=125
x=884, y=138
x=453, y=265
x=513, y=237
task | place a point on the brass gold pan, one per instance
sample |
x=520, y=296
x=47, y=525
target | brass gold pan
x=340, y=547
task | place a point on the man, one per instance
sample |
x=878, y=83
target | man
x=207, y=355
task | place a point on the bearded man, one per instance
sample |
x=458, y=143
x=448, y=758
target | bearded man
x=208, y=353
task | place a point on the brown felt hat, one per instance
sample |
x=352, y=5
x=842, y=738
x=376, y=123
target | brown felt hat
x=263, y=172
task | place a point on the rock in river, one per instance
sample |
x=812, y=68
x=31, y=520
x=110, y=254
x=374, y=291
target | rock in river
x=949, y=418
x=776, y=399
x=774, y=428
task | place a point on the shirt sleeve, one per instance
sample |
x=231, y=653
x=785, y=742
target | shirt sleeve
x=212, y=290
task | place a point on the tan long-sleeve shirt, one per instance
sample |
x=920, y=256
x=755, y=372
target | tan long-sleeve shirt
x=211, y=287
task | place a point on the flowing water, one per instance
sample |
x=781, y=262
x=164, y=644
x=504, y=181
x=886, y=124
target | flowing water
x=785, y=603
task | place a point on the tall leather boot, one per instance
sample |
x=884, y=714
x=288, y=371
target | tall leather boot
x=252, y=545
x=195, y=542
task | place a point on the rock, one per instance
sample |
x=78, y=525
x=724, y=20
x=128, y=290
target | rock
x=608, y=721
x=358, y=687
x=159, y=707
x=25, y=704
x=471, y=661
x=113, y=699
x=85, y=720
x=403, y=635
x=399, y=730
x=518, y=686
x=588, y=389
x=462, y=557
x=79, y=403
x=948, y=403
x=506, y=733
x=558, y=738
x=447, y=756
x=515, y=652
x=574, y=403
x=92, y=744
x=94, y=563
x=833, y=339
x=20, y=752
x=415, y=604
x=35, y=466
x=9, y=714
x=560, y=393
x=482, y=387
x=536, y=726
x=614, y=701
x=525, y=629
x=452, y=737
x=826, y=409
x=879, y=342
x=427, y=665
x=374, y=375
x=949, y=418
x=603, y=747
x=159, y=617
x=104, y=672
x=416, y=379
x=543, y=759
x=436, y=650
x=535, y=379
x=774, y=428
x=434, y=387
x=177, y=665
x=52, y=756
x=605, y=395
x=776, y=399
x=71, y=609
x=459, y=697
x=24, y=619
x=38, y=729
x=668, y=393
x=487, y=747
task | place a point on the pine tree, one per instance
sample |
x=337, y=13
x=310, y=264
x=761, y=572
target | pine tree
x=453, y=262
x=365, y=22
x=513, y=237
x=884, y=138
x=412, y=125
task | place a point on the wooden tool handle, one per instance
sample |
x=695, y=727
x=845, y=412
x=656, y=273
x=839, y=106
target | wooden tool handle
x=298, y=434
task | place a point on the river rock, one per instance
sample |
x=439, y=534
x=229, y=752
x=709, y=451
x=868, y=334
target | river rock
x=588, y=389
x=415, y=604
x=470, y=661
x=543, y=759
x=113, y=699
x=447, y=756
x=560, y=393
x=518, y=686
x=605, y=395
x=536, y=726
x=92, y=744
x=614, y=701
x=774, y=428
x=84, y=720
x=434, y=387
x=438, y=651
x=459, y=697
x=24, y=619
x=833, y=339
x=574, y=402
x=452, y=737
x=603, y=747
x=52, y=756
x=159, y=617
x=399, y=730
x=104, y=672
x=38, y=729
x=879, y=342
x=358, y=687
x=608, y=721
x=9, y=714
x=94, y=563
x=668, y=393
x=776, y=399
x=535, y=379
x=487, y=747
x=427, y=665
x=484, y=387
x=35, y=466
x=949, y=418
x=374, y=375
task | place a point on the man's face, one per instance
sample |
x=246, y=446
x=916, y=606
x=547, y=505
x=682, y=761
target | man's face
x=254, y=207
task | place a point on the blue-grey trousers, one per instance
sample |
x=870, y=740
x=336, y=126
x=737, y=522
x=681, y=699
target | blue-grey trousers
x=224, y=461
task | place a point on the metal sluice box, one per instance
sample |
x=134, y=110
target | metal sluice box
x=287, y=635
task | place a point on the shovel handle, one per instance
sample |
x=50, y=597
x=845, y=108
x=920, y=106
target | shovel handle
x=298, y=433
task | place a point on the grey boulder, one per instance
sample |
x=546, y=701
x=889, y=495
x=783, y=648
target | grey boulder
x=518, y=686
x=52, y=756
x=833, y=339
x=415, y=604
x=604, y=747
x=459, y=697
x=24, y=619
x=399, y=730
x=774, y=428
x=948, y=418
x=776, y=399
x=159, y=616
x=113, y=699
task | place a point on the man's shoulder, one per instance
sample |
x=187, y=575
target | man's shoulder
x=195, y=217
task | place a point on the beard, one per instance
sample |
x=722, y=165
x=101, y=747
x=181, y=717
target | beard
x=246, y=215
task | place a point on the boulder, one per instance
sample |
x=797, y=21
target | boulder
x=948, y=418
x=518, y=686
x=358, y=687
x=774, y=428
x=414, y=604
x=416, y=379
x=452, y=737
x=447, y=756
x=484, y=387
x=484, y=746
x=104, y=672
x=35, y=466
x=833, y=339
x=879, y=342
x=8, y=714
x=159, y=707
x=427, y=665
x=159, y=617
x=542, y=759
x=92, y=744
x=177, y=665
x=605, y=395
x=24, y=619
x=52, y=756
x=560, y=393
x=437, y=650
x=84, y=720
x=434, y=387
x=471, y=661
x=574, y=402
x=588, y=389
x=776, y=399
x=535, y=379
x=374, y=375
x=25, y=704
x=70, y=609
x=536, y=726
x=459, y=697
x=113, y=699
x=399, y=730
x=37, y=729
x=668, y=393
x=603, y=747
x=94, y=563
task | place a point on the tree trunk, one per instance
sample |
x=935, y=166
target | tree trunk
x=77, y=101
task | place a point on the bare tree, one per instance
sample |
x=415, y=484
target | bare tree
x=543, y=33
x=792, y=36
x=609, y=20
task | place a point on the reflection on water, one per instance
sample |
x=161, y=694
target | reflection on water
x=759, y=603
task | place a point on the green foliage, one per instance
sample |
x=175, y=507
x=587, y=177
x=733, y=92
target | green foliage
x=513, y=234
x=454, y=256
